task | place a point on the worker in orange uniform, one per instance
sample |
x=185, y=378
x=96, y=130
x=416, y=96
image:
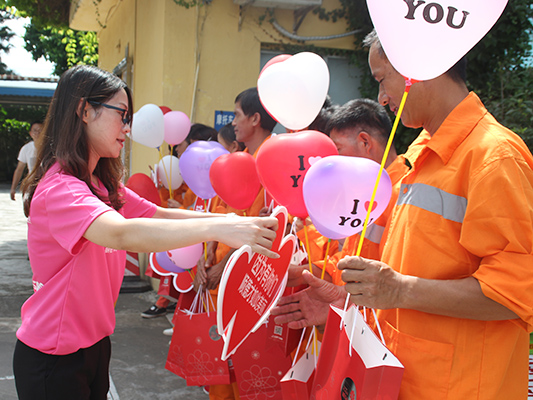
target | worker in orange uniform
x=453, y=289
x=361, y=128
x=253, y=125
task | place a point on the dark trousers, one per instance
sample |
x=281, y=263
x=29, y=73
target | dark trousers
x=83, y=375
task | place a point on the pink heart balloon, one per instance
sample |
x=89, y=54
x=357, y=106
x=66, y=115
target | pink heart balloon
x=424, y=39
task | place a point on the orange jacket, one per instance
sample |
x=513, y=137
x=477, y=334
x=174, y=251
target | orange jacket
x=465, y=209
x=183, y=194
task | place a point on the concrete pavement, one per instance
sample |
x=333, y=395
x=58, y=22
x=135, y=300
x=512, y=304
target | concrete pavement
x=139, y=347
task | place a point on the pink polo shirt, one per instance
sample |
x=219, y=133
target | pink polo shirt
x=76, y=282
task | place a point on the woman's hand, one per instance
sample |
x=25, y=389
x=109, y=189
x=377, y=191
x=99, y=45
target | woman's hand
x=257, y=232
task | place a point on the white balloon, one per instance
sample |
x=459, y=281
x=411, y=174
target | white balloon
x=168, y=169
x=148, y=126
x=293, y=91
x=423, y=40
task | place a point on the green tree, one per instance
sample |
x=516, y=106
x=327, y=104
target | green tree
x=63, y=47
x=15, y=123
x=496, y=65
x=5, y=36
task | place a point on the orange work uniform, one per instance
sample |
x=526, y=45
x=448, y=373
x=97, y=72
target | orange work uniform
x=184, y=195
x=372, y=244
x=227, y=392
x=465, y=209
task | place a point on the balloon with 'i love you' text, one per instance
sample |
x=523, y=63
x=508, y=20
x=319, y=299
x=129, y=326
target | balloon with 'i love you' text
x=424, y=39
x=337, y=191
x=282, y=162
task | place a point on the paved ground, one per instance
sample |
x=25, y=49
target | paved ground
x=139, y=347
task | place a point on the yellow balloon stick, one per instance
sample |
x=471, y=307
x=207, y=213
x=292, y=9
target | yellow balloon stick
x=165, y=171
x=205, y=243
x=307, y=246
x=408, y=84
x=325, y=260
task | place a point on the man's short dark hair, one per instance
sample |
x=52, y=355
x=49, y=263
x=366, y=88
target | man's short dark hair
x=365, y=114
x=250, y=104
x=457, y=73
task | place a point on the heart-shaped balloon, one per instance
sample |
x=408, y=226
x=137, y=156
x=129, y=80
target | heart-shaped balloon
x=185, y=257
x=148, y=126
x=274, y=60
x=234, y=178
x=337, y=192
x=282, y=162
x=168, y=171
x=158, y=262
x=424, y=39
x=195, y=163
x=294, y=90
x=177, y=127
x=143, y=185
x=250, y=287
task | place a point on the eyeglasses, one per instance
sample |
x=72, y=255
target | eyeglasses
x=126, y=119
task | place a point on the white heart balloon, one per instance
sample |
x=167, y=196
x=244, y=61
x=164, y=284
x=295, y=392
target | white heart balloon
x=293, y=91
x=148, y=127
x=168, y=170
x=424, y=39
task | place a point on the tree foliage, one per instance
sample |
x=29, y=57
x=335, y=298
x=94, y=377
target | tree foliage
x=15, y=121
x=5, y=36
x=63, y=47
x=496, y=68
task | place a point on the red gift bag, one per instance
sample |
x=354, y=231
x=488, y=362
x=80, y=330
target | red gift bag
x=354, y=362
x=280, y=334
x=259, y=367
x=297, y=383
x=167, y=289
x=196, y=347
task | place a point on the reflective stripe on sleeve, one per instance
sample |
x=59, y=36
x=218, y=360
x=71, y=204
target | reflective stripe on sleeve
x=435, y=200
x=374, y=233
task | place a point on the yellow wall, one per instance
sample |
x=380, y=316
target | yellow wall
x=165, y=39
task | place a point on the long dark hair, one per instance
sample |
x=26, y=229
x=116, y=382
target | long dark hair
x=64, y=139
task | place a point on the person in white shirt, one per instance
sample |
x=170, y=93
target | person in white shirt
x=26, y=157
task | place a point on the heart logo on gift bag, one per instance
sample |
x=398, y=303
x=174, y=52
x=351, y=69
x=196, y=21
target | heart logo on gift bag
x=250, y=287
x=282, y=162
x=293, y=90
x=423, y=39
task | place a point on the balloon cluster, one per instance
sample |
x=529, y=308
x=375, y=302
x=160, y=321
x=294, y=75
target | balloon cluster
x=301, y=171
x=152, y=125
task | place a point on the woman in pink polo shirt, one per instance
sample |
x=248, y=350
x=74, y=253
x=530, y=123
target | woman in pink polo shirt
x=81, y=221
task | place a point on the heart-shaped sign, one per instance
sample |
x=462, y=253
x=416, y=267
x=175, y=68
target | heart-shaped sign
x=337, y=192
x=234, y=178
x=148, y=127
x=424, y=39
x=195, y=163
x=294, y=90
x=282, y=162
x=181, y=279
x=250, y=287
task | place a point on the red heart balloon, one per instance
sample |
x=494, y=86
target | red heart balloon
x=250, y=287
x=143, y=185
x=234, y=178
x=282, y=162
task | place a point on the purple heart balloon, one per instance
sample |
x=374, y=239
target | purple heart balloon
x=195, y=163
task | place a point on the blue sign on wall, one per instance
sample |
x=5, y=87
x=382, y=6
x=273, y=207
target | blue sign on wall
x=222, y=118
